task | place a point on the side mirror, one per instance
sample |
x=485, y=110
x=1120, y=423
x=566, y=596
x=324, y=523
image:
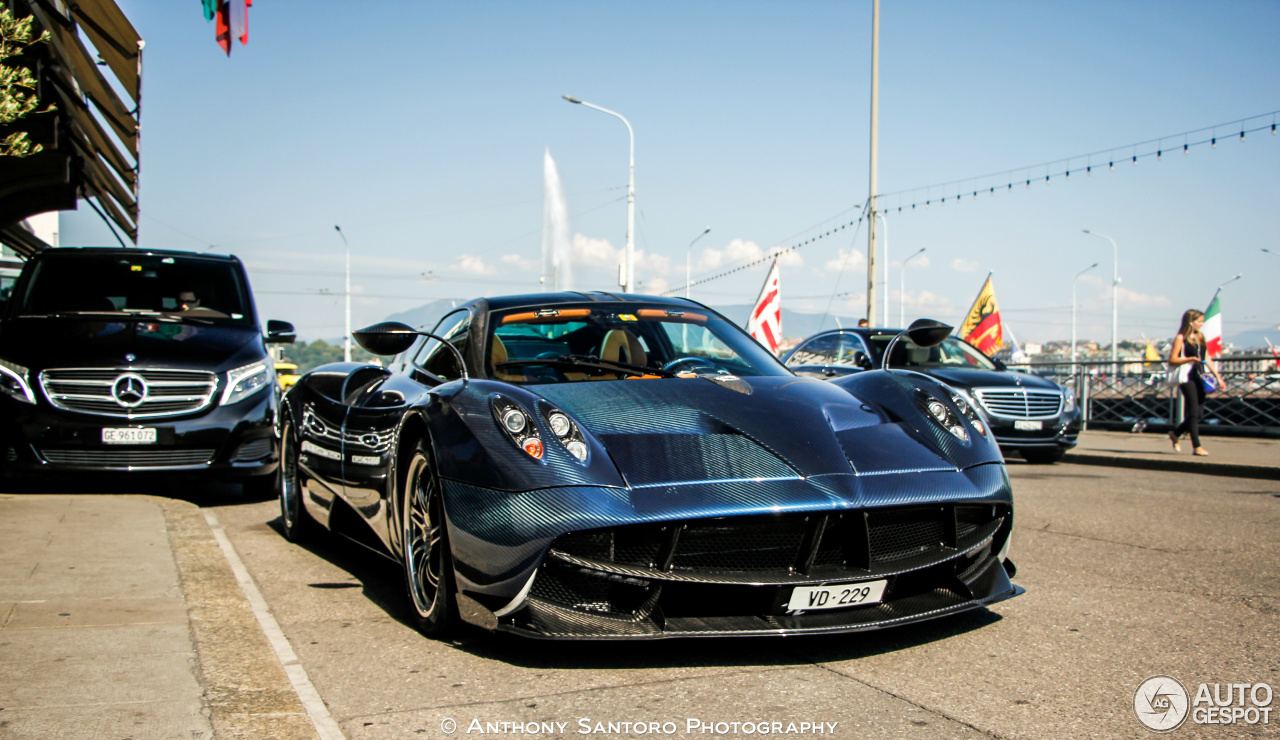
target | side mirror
x=999, y=364
x=280, y=332
x=928, y=332
x=923, y=332
x=861, y=360
x=390, y=338
x=387, y=338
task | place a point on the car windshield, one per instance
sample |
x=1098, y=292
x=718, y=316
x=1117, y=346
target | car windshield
x=571, y=342
x=143, y=284
x=952, y=353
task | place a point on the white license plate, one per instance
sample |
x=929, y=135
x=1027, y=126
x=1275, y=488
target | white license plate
x=811, y=598
x=1029, y=426
x=129, y=436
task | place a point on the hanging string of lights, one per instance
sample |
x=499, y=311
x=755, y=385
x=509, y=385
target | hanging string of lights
x=1084, y=163
x=773, y=254
x=1237, y=131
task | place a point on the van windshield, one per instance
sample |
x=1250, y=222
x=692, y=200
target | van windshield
x=204, y=290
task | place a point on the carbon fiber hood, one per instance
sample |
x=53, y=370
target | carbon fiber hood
x=676, y=430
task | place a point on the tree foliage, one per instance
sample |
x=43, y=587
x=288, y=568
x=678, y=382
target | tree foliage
x=17, y=84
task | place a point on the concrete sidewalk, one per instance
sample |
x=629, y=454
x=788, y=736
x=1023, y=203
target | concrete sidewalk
x=104, y=600
x=1243, y=457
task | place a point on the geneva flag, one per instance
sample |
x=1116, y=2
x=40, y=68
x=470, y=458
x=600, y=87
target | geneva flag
x=981, y=326
x=765, y=323
x=1212, y=329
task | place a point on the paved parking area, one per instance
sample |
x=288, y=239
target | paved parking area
x=1129, y=574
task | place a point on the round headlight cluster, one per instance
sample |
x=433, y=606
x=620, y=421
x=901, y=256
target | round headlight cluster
x=567, y=433
x=559, y=424
x=970, y=413
x=514, y=420
x=518, y=425
x=938, y=410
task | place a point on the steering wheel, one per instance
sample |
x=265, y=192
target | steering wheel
x=689, y=363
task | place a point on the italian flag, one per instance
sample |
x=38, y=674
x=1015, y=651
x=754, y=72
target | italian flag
x=1212, y=329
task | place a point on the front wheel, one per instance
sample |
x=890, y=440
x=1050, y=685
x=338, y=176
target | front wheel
x=1043, y=455
x=298, y=524
x=428, y=566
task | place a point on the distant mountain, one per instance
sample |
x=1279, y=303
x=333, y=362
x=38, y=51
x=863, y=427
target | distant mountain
x=426, y=316
x=1255, y=338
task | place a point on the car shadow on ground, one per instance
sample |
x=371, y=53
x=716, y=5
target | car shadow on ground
x=382, y=583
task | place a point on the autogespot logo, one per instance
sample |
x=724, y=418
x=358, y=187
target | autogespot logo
x=1161, y=703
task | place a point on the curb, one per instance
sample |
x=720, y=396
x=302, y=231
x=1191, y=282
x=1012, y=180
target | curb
x=1231, y=470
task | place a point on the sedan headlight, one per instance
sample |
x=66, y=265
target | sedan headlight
x=245, y=381
x=14, y=382
x=1068, y=400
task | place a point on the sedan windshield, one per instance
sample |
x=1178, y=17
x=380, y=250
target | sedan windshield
x=203, y=290
x=952, y=353
x=571, y=342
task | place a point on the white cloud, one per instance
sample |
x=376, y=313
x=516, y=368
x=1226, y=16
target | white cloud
x=656, y=262
x=959, y=264
x=473, y=265
x=846, y=259
x=1134, y=298
x=922, y=303
x=593, y=252
x=655, y=285
x=740, y=250
x=518, y=262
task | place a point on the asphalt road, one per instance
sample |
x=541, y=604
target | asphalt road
x=1129, y=574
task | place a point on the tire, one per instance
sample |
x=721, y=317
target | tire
x=428, y=565
x=1043, y=455
x=297, y=523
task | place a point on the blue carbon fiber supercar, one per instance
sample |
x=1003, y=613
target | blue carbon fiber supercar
x=595, y=465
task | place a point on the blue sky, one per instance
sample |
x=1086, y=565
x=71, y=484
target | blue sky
x=420, y=128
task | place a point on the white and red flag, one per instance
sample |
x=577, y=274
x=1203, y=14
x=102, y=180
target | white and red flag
x=1274, y=351
x=765, y=323
x=1212, y=329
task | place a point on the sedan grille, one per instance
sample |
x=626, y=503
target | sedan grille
x=128, y=458
x=1020, y=403
x=128, y=393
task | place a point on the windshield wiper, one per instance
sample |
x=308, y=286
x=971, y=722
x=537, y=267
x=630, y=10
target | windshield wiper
x=589, y=361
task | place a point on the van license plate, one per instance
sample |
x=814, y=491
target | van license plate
x=1028, y=426
x=810, y=598
x=129, y=436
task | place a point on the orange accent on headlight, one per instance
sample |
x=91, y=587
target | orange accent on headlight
x=533, y=447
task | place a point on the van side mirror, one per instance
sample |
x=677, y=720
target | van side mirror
x=280, y=332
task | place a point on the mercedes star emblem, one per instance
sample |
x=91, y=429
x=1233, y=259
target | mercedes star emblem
x=129, y=390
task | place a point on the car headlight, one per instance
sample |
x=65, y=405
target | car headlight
x=1068, y=400
x=519, y=426
x=14, y=382
x=944, y=416
x=245, y=381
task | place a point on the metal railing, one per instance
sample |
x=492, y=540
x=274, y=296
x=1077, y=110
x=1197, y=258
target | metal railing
x=1133, y=395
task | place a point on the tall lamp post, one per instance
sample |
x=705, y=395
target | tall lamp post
x=902, y=289
x=884, y=219
x=1115, y=293
x=346, y=334
x=1268, y=251
x=628, y=281
x=1073, y=315
x=688, y=284
x=1220, y=287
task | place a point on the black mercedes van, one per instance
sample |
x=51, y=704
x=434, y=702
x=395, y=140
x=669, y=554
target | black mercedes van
x=137, y=360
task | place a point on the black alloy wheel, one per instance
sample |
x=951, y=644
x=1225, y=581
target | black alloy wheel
x=428, y=566
x=298, y=524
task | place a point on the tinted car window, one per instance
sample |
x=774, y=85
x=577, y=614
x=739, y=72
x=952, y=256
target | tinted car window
x=140, y=284
x=434, y=357
x=817, y=351
x=952, y=352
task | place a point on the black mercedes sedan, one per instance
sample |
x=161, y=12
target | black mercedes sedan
x=137, y=361
x=1027, y=413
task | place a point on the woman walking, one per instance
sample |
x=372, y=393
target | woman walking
x=1187, y=361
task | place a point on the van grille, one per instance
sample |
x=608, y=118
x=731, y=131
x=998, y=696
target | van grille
x=128, y=458
x=1020, y=403
x=128, y=393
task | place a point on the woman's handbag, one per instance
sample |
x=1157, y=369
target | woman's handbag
x=1208, y=382
x=1179, y=374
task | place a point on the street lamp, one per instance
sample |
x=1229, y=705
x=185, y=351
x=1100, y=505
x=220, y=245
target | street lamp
x=346, y=334
x=688, y=284
x=629, y=278
x=1220, y=287
x=902, y=289
x=1073, y=315
x=1268, y=251
x=885, y=220
x=1115, y=293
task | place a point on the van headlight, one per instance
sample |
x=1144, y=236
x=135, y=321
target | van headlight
x=1068, y=400
x=14, y=382
x=245, y=381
